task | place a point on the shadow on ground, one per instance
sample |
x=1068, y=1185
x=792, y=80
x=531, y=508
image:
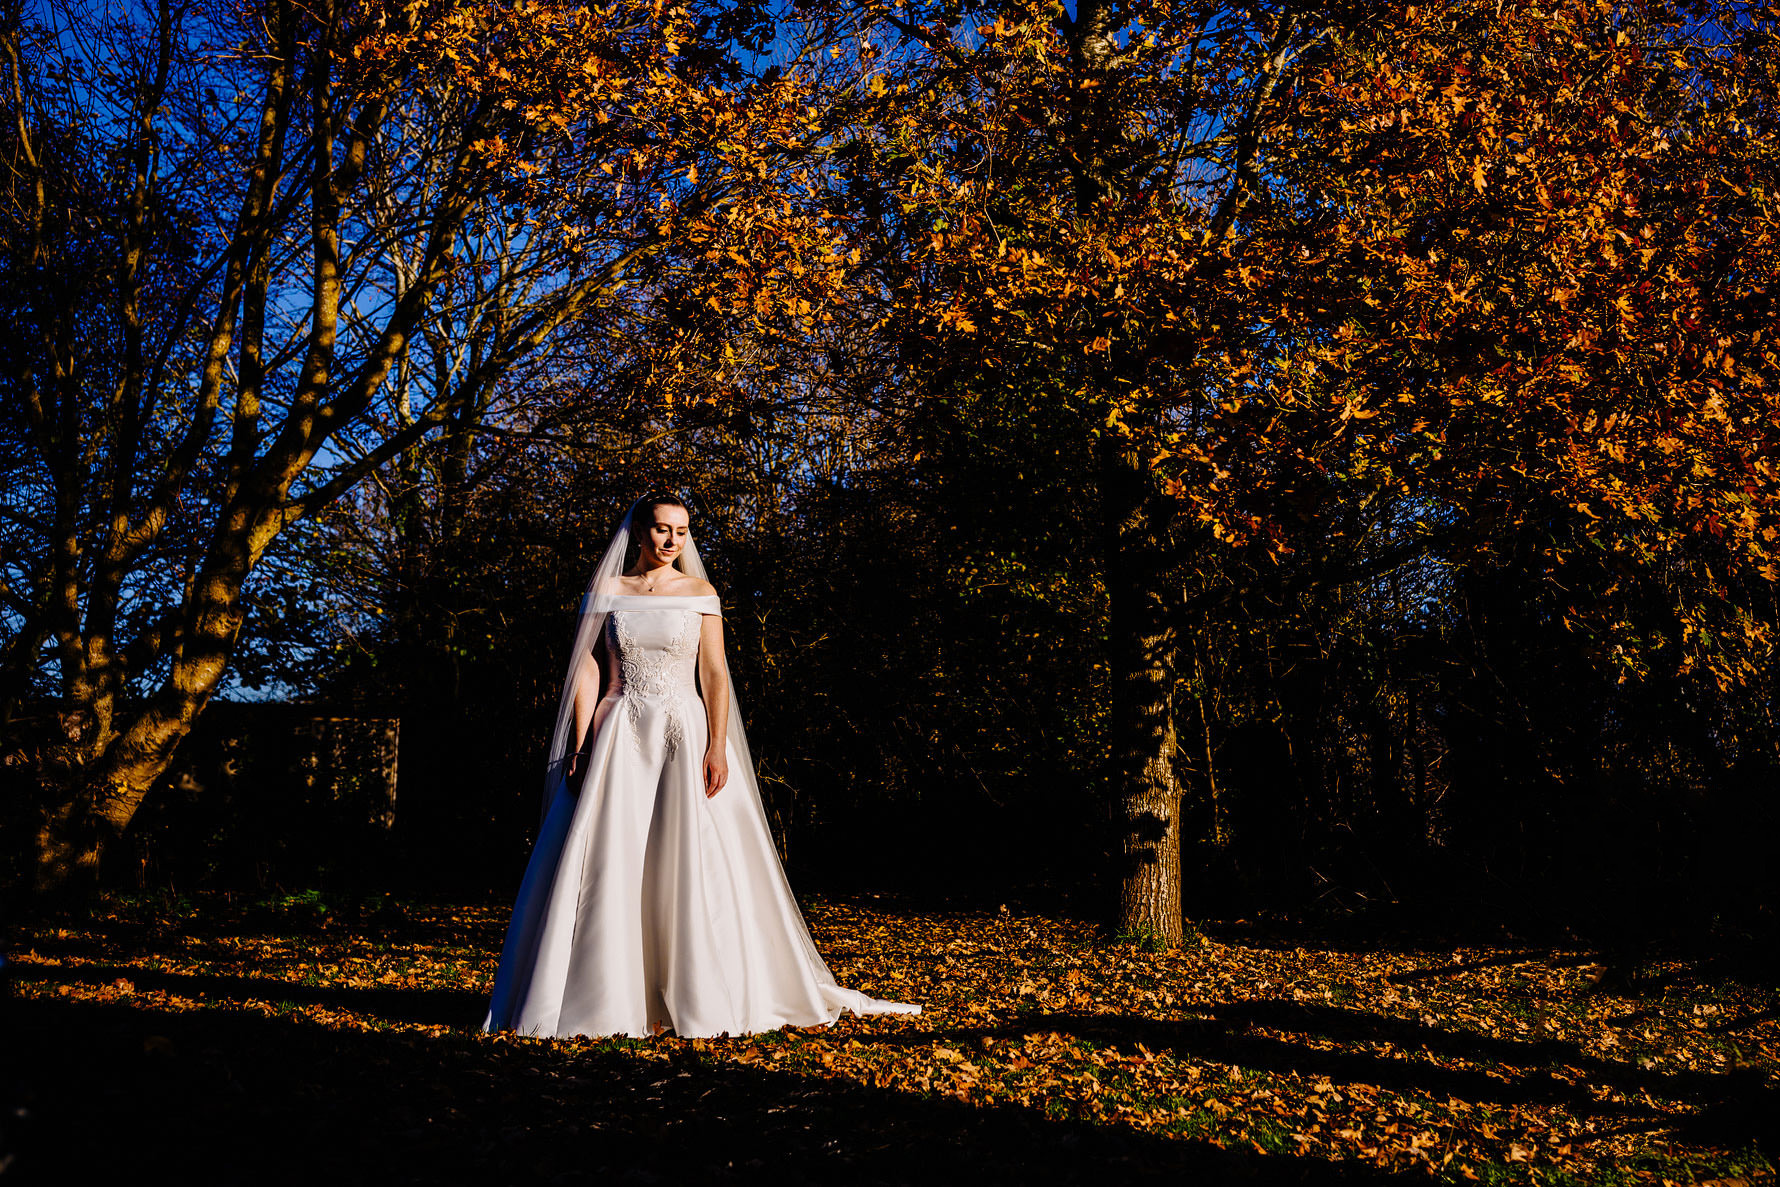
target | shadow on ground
x=227, y=1094
x=435, y=1007
x=224, y=1097
x=1732, y=1107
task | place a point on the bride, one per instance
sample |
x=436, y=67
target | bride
x=654, y=899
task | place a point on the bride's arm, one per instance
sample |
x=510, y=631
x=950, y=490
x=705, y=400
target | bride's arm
x=587, y=699
x=713, y=685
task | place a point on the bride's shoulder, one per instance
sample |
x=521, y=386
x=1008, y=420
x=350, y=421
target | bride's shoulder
x=698, y=587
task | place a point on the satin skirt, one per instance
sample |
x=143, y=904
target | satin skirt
x=647, y=906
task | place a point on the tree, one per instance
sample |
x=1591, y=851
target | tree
x=260, y=252
x=1483, y=261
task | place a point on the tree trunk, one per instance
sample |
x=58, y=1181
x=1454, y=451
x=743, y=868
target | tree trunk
x=1219, y=810
x=1143, y=650
x=1142, y=644
x=101, y=797
x=68, y=849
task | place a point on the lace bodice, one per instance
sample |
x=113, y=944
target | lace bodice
x=655, y=641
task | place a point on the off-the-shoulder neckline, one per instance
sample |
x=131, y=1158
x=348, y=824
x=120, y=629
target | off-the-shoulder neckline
x=661, y=597
x=608, y=590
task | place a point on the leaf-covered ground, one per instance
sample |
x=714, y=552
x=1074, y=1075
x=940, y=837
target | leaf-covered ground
x=277, y=1041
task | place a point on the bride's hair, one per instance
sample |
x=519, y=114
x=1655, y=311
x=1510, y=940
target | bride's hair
x=649, y=502
x=642, y=515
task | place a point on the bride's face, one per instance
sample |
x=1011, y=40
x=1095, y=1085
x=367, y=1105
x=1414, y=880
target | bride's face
x=666, y=537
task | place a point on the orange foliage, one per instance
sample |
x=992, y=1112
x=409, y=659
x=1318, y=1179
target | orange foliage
x=712, y=172
x=1509, y=260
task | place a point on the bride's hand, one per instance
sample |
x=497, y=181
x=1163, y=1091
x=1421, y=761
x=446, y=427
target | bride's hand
x=716, y=771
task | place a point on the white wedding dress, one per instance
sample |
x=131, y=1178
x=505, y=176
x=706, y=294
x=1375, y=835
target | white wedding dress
x=646, y=905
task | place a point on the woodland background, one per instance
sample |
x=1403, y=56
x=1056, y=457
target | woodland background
x=1422, y=355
